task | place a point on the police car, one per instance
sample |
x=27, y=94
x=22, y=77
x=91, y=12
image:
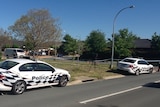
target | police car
x=135, y=66
x=17, y=75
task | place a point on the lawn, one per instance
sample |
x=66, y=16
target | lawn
x=97, y=70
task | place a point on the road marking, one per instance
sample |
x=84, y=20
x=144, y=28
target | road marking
x=109, y=95
x=158, y=81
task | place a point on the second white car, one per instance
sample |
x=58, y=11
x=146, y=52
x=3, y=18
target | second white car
x=135, y=66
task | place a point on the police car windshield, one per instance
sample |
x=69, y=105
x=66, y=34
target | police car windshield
x=129, y=60
x=7, y=64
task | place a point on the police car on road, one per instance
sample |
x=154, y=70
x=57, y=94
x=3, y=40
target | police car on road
x=135, y=66
x=17, y=75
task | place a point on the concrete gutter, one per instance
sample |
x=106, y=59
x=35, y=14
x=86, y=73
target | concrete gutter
x=84, y=79
x=81, y=79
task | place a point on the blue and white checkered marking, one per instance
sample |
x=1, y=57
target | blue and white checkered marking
x=11, y=78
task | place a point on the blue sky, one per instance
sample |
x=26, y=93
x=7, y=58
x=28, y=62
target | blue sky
x=79, y=17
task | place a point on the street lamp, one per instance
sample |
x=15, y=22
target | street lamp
x=112, y=56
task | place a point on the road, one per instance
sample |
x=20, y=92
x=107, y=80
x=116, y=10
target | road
x=129, y=91
x=140, y=97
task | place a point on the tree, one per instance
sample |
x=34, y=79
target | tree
x=124, y=43
x=5, y=39
x=69, y=45
x=36, y=28
x=155, y=41
x=95, y=43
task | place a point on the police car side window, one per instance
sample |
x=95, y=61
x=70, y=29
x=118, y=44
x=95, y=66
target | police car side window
x=43, y=67
x=142, y=62
x=27, y=67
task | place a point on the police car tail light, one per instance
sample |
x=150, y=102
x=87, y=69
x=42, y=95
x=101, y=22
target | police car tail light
x=130, y=66
x=2, y=77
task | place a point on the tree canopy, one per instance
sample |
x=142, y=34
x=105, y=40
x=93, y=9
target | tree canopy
x=69, y=45
x=6, y=39
x=95, y=46
x=37, y=28
x=155, y=41
x=124, y=43
x=96, y=42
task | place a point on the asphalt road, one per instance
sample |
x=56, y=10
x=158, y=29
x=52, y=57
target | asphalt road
x=129, y=91
x=141, y=97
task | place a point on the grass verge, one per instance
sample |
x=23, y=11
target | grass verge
x=82, y=68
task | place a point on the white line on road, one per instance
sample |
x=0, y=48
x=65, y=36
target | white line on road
x=158, y=81
x=109, y=95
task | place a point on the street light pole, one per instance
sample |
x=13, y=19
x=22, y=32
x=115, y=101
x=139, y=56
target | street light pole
x=112, y=56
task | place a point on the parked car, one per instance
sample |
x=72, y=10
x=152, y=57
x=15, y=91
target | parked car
x=14, y=53
x=17, y=75
x=135, y=66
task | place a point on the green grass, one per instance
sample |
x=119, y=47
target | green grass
x=78, y=68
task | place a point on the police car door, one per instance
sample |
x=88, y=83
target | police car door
x=143, y=66
x=45, y=74
x=35, y=74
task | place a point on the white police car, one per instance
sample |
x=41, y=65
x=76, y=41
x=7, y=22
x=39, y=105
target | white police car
x=17, y=75
x=135, y=66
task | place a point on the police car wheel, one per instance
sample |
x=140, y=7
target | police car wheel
x=137, y=72
x=151, y=71
x=63, y=81
x=19, y=87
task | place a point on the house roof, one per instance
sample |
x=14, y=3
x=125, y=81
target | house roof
x=142, y=43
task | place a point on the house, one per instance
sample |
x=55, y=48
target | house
x=142, y=43
x=143, y=48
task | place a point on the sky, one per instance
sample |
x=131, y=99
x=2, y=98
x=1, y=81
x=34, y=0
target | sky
x=79, y=18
